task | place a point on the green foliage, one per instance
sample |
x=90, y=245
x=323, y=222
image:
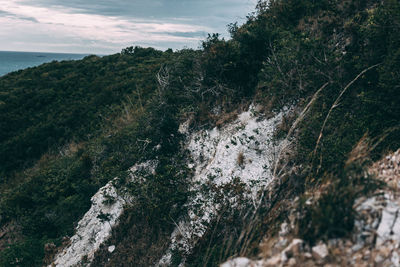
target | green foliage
x=51, y=198
x=48, y=106
x=67, y=128
x=226, y=237
x=161, y=196
x=26, y=254
x=333, y=214
x=105, y=115
x=80, y=101
x=294, y=48
x=369, y=106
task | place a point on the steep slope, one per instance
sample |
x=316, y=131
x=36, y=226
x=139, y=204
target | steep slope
x=232, y=166
x=374, y=241
x=214, y=192
x=95, y=226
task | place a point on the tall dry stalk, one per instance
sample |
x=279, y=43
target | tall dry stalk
x=286, y=142
x=336, y=104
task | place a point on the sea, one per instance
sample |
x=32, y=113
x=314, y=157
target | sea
x=13, y=61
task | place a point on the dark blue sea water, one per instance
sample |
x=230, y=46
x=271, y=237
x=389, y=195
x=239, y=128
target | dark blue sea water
x=12, y=61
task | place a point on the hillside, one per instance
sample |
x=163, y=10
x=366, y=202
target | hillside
x=274, y=142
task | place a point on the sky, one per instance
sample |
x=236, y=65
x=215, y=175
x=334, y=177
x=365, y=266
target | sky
x=107, y=26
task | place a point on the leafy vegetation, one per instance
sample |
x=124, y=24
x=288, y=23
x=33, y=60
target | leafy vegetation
x=67, y=128
x=47, y=198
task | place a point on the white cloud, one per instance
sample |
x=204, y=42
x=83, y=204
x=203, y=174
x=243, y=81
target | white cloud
x=66, y=29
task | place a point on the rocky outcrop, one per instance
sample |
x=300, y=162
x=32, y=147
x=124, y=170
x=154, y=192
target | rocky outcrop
x=375, y=240
x=242, y=154
x=96, y=225
x=94, y=228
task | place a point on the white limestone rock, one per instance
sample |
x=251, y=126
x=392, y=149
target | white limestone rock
x=111, y=249
x=241, y=262
x=320, y=251
x=95, y=226
x=215, y=161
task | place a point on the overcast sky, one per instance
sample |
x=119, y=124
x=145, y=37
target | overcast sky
x=107, y=26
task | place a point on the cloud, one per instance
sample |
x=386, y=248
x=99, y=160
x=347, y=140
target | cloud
x=107, y=26
x=8, y=14
x=198, y=34
x=160, y=9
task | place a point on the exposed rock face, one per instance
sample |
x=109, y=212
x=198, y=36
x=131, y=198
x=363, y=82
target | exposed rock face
x=95, y=226
x=388, y=170
x=240, y=153
x=376, y=237
x=379, y=219
x=378, y=226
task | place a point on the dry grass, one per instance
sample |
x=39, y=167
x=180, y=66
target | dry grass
x=226, y=118
x=138, y=242
x=70, y=149
x=283, y=128
x=240, y=159
x=129, y=114
x=10, y=233
x=336, y=104
x=222, y=114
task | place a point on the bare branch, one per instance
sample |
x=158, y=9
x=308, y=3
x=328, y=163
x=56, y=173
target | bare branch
x=163, y=81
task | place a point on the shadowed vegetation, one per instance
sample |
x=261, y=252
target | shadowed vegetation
x=67, y=128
